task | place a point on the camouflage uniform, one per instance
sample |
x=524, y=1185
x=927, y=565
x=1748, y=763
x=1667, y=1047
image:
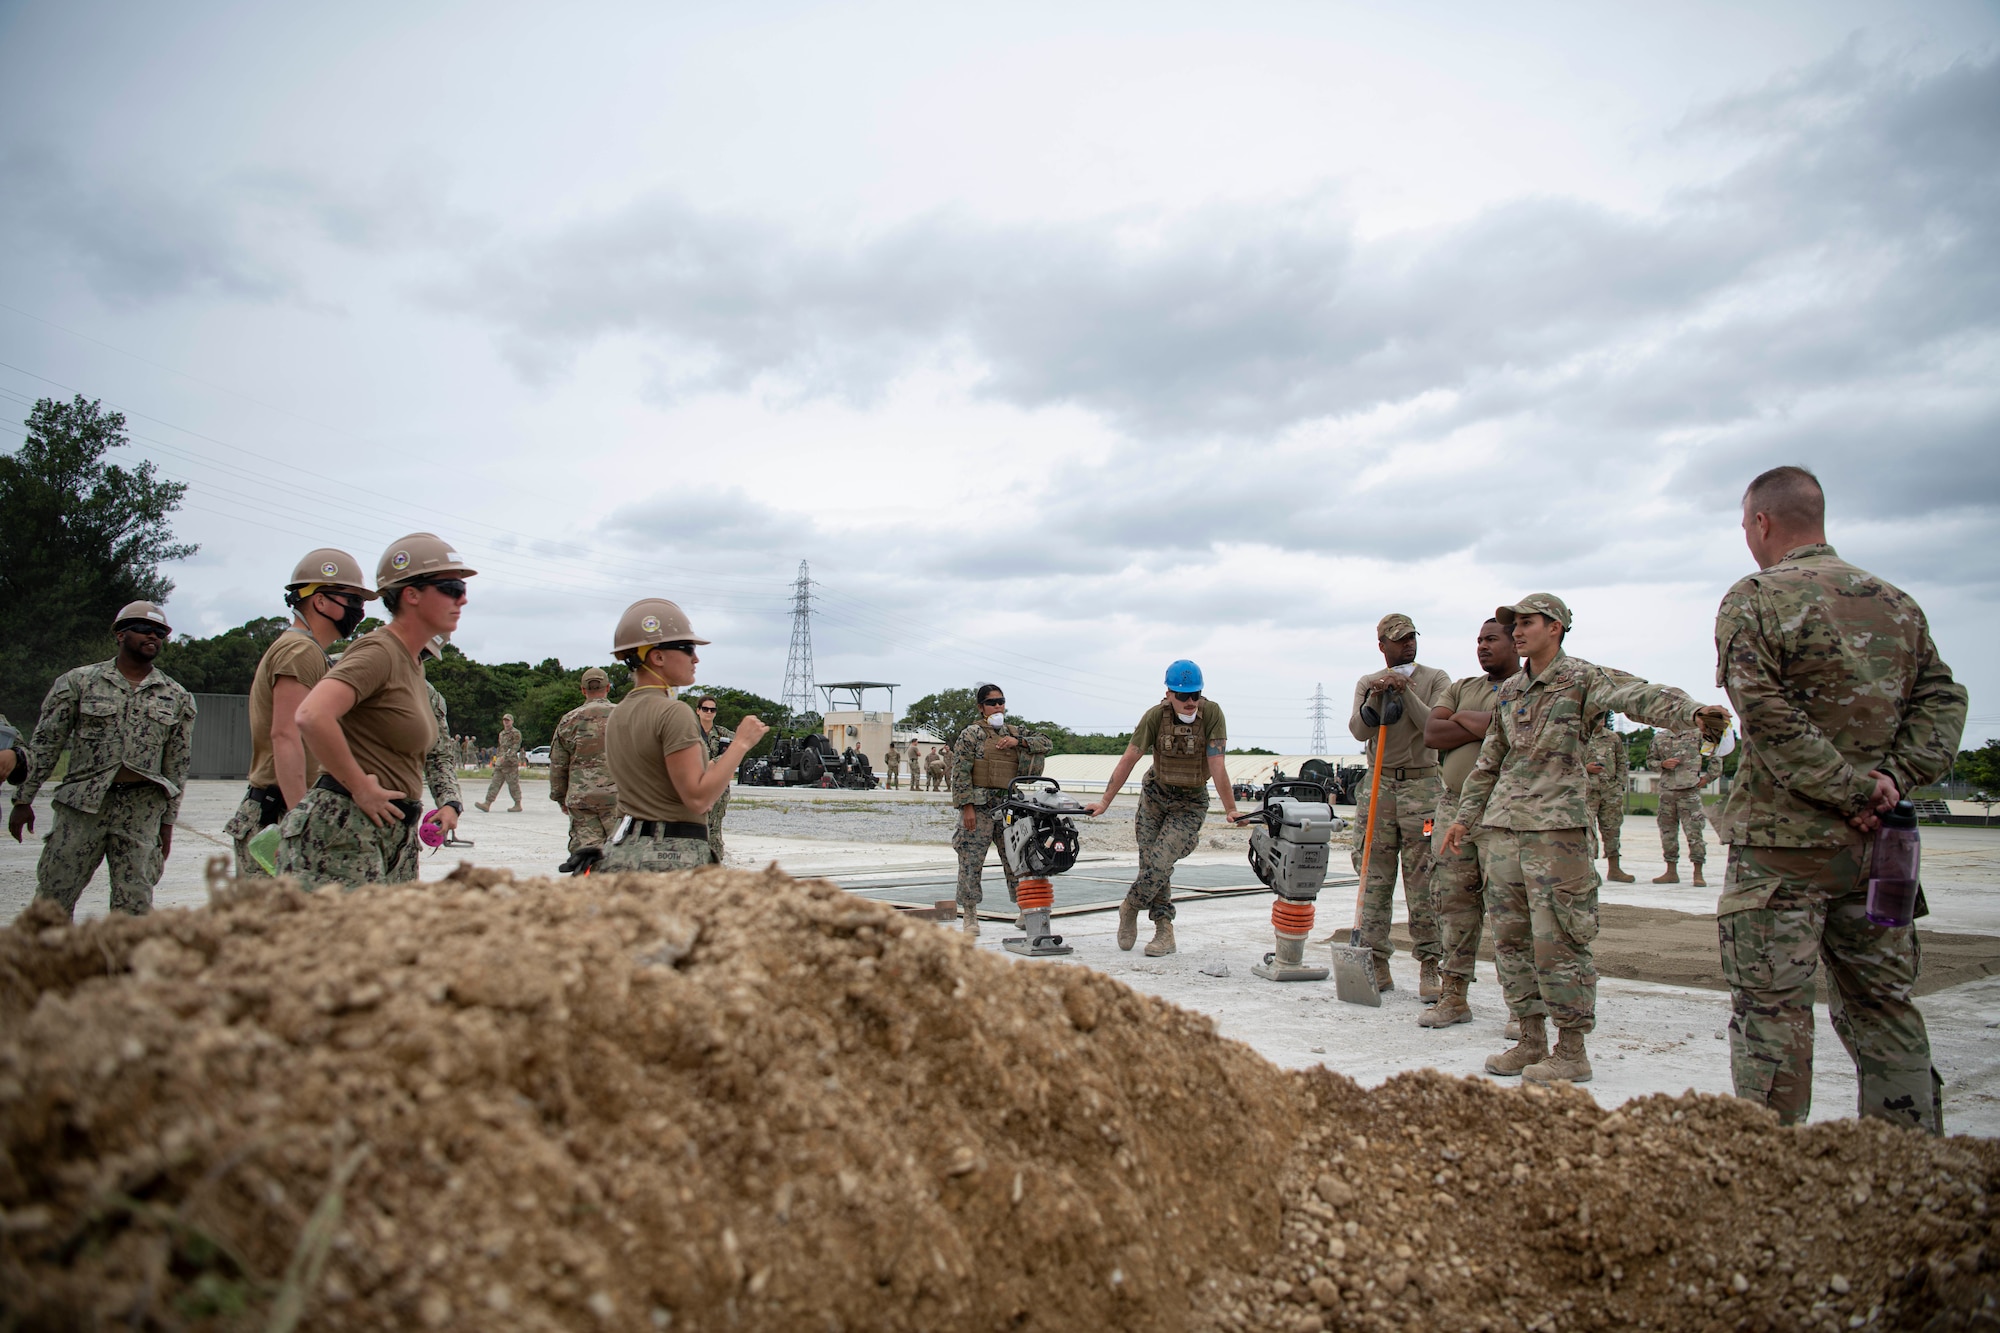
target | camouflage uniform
x=1607, y=789
x=22, y=761
x=325, y=839
x=580, y=776
x=974, y=745
x=1832, y=672
x=506, y=766
x=110, y=726
x=1168, y=824
x=714, y=742
x=1458, y=897
x=935, y=767
x=893, y=762
x=656, y=854
x=1410, y=793
x=1679, y=790
x=1528, y=800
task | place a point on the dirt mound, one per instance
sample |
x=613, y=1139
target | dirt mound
x=716, y=1099
x=1444, y=1203
x=727, y=1100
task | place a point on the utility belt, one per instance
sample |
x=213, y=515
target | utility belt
x=411, y=811
x=658, y=828
x=1400, y=774
x=271, y=805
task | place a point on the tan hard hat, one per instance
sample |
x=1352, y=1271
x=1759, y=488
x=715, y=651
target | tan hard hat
x=141, y=611
x=330, y=566
x=420, y=555
x=652, y=620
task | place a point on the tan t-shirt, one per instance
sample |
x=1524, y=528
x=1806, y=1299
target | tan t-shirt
x=297, y=655
x=1405, y=746
x=1475, y=693
x=391, y=727
x=644, y=729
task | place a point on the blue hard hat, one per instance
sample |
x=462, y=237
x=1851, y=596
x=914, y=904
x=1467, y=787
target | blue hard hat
x=1184, y=677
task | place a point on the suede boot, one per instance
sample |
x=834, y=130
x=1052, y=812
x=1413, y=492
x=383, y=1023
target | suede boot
x=1533, y=1047
x=1162, y=942
x=1617, y=873
x=1566, y=1062
x=1128, y=924
x=1513, y=1030
x=1451, y=1006
x=482, y=805
x=1384, y=980
x=1698, y=881
x=1428, y=985
x=968, y=920
x=1673, y=875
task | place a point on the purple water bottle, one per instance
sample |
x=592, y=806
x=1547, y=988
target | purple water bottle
x=1892, y=880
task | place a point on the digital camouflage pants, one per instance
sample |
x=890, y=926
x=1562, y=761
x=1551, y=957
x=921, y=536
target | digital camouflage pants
x=1541, y=887
x=123, y=836
x=1404, y=807
x=971, y=844
x=1785, y=910
x=656, y=854
x=1606, y=803
x=1457, y=896
x=244, y=825
x=591, y=823
x=1680, y=812
x=1168, y=827
x=715, y=814
x=325, y=839
x=510, y=777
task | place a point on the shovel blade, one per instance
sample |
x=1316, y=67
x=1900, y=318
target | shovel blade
x=1354, y=975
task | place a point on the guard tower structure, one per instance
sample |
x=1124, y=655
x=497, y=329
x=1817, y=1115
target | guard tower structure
x=848, y=720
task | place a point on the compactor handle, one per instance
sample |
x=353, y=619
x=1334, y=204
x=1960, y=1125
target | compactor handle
x=1286, y=785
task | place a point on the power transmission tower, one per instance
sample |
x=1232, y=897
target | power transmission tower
x=1319, y=719
x=798, y=696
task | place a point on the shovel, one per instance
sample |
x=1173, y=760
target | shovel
x=1354, y=962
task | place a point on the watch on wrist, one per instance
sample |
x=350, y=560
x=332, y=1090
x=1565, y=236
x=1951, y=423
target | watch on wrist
x=456, y=805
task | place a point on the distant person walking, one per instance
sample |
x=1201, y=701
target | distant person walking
x=506, y=765
x=371, y=725
x=1846, y=710
x=129, y=730
x=579, y=770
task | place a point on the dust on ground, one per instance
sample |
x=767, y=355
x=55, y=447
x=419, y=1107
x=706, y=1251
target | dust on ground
x=723, y=1099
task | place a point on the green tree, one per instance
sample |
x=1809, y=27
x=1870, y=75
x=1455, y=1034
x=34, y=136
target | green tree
x=1980, y=767
x=81, y=538
x=1639, y=747
x=225, y=664
x=943, y=714
x=733, y=705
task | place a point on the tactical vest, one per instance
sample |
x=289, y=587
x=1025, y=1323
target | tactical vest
x=997, y=767
x=1180, y=750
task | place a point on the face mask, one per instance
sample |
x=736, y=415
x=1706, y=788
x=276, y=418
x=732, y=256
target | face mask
x=350, y=616
x=997, y=721
x=1187, y=717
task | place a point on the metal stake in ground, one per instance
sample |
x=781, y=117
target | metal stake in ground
x=1288, y=851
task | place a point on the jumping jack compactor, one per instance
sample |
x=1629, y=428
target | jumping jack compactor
x=1037, y=839
x=1288, y=852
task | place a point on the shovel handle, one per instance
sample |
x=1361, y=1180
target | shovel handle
x=1368, y=837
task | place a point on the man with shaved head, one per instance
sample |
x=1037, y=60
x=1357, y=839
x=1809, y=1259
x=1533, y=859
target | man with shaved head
x=1846, y=709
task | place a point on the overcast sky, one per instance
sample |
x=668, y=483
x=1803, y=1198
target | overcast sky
x=1062, y=340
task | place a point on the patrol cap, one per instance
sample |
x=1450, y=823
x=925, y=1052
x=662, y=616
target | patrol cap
x=329, y=566
x=147, y=612
x=594, y=676
x=418, y=556
x=1537, y=603
x=652, y=620
x=1395, y=626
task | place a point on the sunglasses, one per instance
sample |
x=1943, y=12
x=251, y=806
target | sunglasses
x=144, y=627
x=1187, y=698
x=992, y=703
x=679, y=647
x=706, y=708
x=452, y=588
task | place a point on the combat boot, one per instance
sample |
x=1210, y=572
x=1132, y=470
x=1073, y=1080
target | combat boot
x=1617, y=873
x=1428, y=985
x=1128, y=924
x=1513, y=1031
x=968, y=920
x=1385, y=981
x=483, y=805
x=1673, y=875
x=1162, y=942
x=1451, y=1006
x=1533, y=1046
x=1567, y=1062
x=1698, y=881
